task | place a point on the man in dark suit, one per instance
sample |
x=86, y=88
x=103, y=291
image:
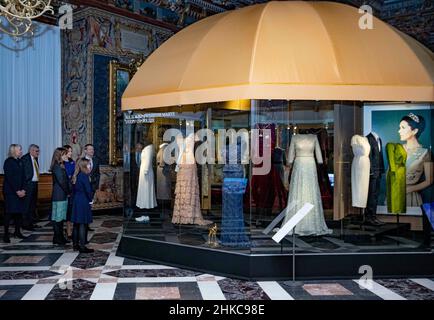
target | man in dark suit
x=377, y=169
x=31, y=173
x=89, y=154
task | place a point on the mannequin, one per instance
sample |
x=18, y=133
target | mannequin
x=267, y=188
x=279, y=160
x=375, y=172
x=235, y=170
x=304, y=187
x=395, y=181
x=233, y=232
x=360, y=168
x=164, y=183
x=146, y=198
x=187, y=198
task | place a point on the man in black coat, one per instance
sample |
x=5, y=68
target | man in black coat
x=376, y=170
x=31, y=174
x=89, y=154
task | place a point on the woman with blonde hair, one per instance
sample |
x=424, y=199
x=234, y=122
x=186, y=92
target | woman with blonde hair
x=61, y=192
x=13, y=191
x=81, y=205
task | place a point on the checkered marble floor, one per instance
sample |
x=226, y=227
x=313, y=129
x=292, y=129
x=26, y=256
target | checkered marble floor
x=34, y=269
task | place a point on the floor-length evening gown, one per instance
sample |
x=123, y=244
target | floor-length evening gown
x=146, y=198
x=360, y=168
x=187, y=196
x=304, y=185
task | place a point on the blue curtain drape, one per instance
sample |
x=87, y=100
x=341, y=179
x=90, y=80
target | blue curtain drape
x=30, y=95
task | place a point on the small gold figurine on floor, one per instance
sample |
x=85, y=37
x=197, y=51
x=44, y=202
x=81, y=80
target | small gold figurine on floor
x=212, y=236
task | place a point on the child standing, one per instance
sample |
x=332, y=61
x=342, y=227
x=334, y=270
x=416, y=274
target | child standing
x=81, y=205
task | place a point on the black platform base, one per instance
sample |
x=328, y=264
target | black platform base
x=279, y=266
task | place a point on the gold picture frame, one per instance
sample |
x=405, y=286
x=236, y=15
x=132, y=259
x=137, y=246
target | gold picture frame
x=120, y=75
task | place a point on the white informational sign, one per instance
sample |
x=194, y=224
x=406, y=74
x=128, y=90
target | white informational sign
x=287, y=227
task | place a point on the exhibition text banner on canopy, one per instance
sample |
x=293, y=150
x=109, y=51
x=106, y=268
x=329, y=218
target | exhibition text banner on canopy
x=130, y=118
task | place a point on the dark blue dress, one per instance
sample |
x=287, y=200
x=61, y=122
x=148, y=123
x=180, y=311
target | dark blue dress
x=81, y=208
x=233, y=232
x=70, y=168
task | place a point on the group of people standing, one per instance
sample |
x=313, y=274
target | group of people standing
x=74, y=185
x=20, y=189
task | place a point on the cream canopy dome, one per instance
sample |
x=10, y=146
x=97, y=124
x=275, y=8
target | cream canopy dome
x=284, y=50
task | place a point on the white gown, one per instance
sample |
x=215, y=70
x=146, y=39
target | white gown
x=146, y=198
x=360, y=171
x=304, y=185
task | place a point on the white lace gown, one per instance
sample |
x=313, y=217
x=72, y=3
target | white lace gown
x=304, y=185
x=146, y=198
x=360, y=171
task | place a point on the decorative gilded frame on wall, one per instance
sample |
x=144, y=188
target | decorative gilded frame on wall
x=114, y=67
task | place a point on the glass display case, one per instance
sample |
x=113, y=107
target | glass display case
x=223, y=178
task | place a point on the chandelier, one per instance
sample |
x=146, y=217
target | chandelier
x=16, y=15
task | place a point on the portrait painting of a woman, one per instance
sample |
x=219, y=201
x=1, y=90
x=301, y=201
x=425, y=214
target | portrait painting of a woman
x=419, y=169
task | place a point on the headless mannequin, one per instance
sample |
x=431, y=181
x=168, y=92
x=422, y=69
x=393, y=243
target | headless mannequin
x=376, y=170
x=146, y=198
x=163, y=176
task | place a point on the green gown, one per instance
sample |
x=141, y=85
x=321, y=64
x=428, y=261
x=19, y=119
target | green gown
x=396, y=179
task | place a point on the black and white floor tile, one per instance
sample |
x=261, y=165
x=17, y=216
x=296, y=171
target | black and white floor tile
x=34, y=269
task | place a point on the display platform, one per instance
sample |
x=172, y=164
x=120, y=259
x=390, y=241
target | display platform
x=391, y=250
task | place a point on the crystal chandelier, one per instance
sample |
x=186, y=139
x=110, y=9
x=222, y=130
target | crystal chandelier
x=16, y=15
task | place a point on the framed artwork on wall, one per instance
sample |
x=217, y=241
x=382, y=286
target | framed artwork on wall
x=384, y=120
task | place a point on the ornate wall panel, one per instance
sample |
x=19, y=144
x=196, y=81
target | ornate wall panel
x=97, y=38
x=413, y=17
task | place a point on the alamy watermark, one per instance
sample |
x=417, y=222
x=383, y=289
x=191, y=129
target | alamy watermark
x=66, y=18
x=366, y=21
x=230, y=147
x=366, y=280
x=66, y=280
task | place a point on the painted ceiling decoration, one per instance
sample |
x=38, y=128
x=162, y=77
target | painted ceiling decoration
x=198, y=9
x=413, y=17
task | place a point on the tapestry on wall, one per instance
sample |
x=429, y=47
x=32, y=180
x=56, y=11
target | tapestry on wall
x=110, y=192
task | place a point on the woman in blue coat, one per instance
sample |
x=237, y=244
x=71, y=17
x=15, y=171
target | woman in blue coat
x=81, y=205
x=13, y=191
